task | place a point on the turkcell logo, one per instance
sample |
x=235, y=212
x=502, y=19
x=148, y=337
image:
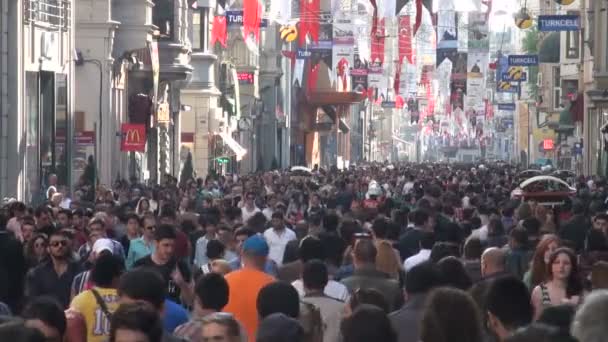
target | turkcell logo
x=547, y=23
x=303, y=54
x=235, y=18
x=523, y=60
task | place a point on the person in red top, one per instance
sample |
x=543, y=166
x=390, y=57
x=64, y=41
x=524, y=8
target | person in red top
x=245, y=284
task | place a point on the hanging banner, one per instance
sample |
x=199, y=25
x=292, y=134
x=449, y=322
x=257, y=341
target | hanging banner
x=548, y=23
x=477, y=64
x=298, y=71
x=459, y=65
x=377, y=81
x=343, y=41
x=377, y=44
x=133, y=137
x=280, y=11
x=478, y=32
x=444, y=73
x=507, y=107
x=523, y=60
x=325, y=35
x=359, y=75
x=447, y=35
x=476, y=90
x=457, y=93
x=252, y=16
x=310, y=11
x=405, y=39
x=462, y=23
x=362, y=40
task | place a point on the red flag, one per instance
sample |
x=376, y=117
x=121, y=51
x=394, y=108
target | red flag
x=418, y=16
x=342, y=67
x=313, y=76
x=291, y=55
x=310, y=11
x=377, y=53
x=218, y=32
x=252, y=17
x=405, y=39
x=399, y=102
x=397, y=78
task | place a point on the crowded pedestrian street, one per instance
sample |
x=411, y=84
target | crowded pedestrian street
x=303, y=171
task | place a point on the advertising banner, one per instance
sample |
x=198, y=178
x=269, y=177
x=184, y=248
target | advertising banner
x=478, y=32
x=133, y=137
x=447, y=34
x=343, y=41
x=548, y=23
x=509, y=107
x=523, y=60
x=477, y=64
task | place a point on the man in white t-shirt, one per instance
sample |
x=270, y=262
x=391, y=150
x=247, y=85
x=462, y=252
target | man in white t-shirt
x=427, y=240
x=277, y=237
x=249, y=209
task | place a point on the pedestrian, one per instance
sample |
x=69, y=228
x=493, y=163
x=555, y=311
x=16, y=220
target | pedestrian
x=540, y=261
x=136, y=322
x=144, y=245
x=507, y=303
x=279, y=327
x=277, y=237
x=367, y=323
x=46, y=315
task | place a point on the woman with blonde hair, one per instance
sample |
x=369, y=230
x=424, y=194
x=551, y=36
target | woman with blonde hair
x=387, y=261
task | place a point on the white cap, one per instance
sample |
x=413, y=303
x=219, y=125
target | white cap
x=103, y=245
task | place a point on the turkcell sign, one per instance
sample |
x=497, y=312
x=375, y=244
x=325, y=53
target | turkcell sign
x=523, y=60
x=235, y=18
x=506, y=106
x=303, y=54
x=548, y=23
x=507, y=78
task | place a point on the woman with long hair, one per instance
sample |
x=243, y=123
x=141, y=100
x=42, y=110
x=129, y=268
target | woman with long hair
x=562, y=285
x=450, y=315
x=538, y=270
x=143, y=207
x=36, y=250
x=388, y=261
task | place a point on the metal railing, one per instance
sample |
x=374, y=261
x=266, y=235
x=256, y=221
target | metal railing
x=55, y=14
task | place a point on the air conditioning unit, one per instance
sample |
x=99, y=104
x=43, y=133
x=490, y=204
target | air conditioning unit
x=539, y=80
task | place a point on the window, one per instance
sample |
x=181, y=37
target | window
x=54, y=14
x=557, y=90
x=200, y=29
x=572, y=44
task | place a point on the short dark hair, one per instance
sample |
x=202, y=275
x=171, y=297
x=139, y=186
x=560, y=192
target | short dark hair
x=140, y=317
x=212, y=291
x=422, y=278
x=16, y=331
x=164, y=231
x=42, y=209
x=134, y=217
x=278, y=297
x=60, y=232
x=311, y=248
x=314, y=275
x=244, y=231
x=419, y=217
x=277, y=215
x=427, y=240
x=106, y=269
x=66, y=212
x=601, y=216
x=365, y=251
x=454, y=274
x=368, y=323
x=508, y=299
x=47, y=310
x=369, y=296
x=143, y=284
x=520, y=236
x=473, y=249
x=215, y=249
x=380, y=227
x=330, y=222
x=168, y=211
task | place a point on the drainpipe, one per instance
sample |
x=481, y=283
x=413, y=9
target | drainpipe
x=3, y=94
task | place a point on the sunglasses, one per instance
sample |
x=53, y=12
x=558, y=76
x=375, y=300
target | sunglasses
x=63, y=243
x=151, y=227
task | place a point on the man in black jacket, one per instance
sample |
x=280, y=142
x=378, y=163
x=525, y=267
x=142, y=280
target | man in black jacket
x=12, y=268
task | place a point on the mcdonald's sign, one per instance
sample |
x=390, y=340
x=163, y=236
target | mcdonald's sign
x=133, y=137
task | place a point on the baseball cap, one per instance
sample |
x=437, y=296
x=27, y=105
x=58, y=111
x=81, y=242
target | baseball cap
x=103, y=245
x=256, y=245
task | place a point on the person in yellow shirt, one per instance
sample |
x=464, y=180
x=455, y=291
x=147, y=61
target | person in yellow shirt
x=98, y=303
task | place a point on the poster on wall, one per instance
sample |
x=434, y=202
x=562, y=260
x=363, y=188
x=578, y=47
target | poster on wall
x=343, y=41
x=476, y=91
x=477, y=64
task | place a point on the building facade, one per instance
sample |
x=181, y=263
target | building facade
x=36, y=95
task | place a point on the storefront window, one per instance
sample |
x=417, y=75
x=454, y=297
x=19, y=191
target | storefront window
x=61, y=129
x=32, y=186
x=47, y=127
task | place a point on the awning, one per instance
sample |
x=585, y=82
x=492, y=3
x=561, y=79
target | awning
x=549, y=49
x=334, y=98
x=343, y=126
x=238, y=150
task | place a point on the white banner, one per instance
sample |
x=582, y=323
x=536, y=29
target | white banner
x=298, y=71
x=343, y=41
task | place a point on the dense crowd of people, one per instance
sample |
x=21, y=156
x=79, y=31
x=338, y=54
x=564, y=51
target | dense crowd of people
x=378, y=252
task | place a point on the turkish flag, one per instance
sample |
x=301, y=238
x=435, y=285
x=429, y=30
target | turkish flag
x=418, y=16
x=405, y=39
x=377, y=53
x=252, y=17
x=310, y=11
x=218, y=32
x=397, y=78
x=313, y=77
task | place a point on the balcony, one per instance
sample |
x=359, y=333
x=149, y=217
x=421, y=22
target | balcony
x=171, y=21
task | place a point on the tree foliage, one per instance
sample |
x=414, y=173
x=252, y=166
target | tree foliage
x=530, y=43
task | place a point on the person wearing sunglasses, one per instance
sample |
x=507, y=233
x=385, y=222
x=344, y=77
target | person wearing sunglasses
x=143, y=246
x=54, y=277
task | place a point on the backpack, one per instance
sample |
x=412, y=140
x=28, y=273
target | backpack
x=311, y=321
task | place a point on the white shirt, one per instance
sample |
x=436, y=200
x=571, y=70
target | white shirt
x=277, y=243
x=416, y=259
x=407, y=188
x=268, y=213
x=333, y=289
x=481, y=233
x=246, y=214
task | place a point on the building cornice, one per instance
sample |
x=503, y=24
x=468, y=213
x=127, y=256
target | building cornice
x=97, y=25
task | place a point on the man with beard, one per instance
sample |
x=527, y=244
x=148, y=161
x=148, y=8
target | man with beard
x=54, y=277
